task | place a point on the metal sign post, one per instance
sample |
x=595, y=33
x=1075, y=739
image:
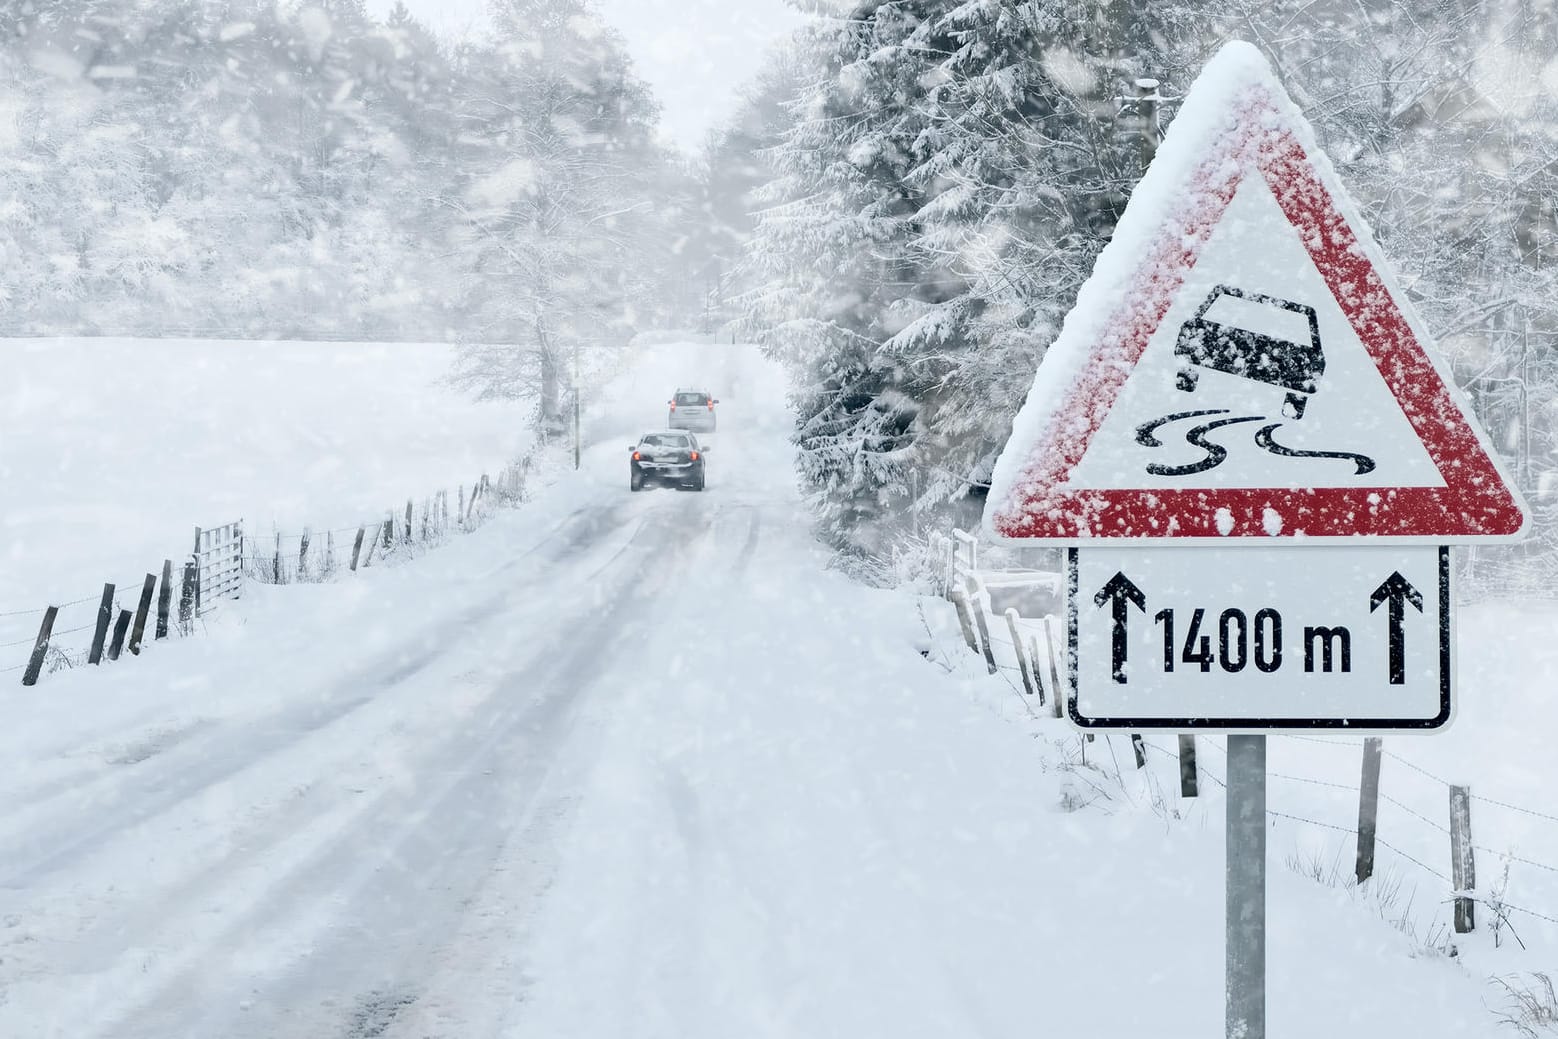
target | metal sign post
x=1246, y=888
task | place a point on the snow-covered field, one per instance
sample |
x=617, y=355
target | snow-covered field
x=113, y=450
x=640, y=765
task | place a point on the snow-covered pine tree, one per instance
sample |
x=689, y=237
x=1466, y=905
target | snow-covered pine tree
x=1026, y=171
x=835, y=264
x=949, y=176
x=1435, y=115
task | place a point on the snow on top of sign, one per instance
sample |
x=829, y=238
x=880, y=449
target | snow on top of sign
x=1236, y=119
x=1237, y=75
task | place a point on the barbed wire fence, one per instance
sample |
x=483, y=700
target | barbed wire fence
x=1033, y=649
x=97, y=629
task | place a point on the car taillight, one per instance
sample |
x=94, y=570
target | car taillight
x=695, y=456
x=635, y=456
x=673, y=405
x=711, y=405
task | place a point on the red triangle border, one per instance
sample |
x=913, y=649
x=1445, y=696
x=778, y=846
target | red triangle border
x=1474, y=503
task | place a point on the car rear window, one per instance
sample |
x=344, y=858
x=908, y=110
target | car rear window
x=692, y=398
x=660, y=440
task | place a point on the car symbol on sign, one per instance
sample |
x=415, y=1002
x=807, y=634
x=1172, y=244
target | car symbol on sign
x=1288, y=359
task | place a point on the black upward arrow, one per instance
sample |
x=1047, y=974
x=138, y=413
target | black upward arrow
x=1120, y=589
x=1399, y=591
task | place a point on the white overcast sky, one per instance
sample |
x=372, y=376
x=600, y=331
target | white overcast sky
x=694, y=53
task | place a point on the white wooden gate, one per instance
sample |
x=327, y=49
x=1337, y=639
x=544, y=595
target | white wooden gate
x=219, y=557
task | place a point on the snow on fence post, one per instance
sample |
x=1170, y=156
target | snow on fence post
x=303, y=555
x=408, y=521
x=121, y=628
x=105, y=616
x=427, y=508
x=470, y=509
x=1054, y=671
x=165, y=599
x=977, y=606
x=960, y=603
x=148, y=588
x=1140, y=750
x=1368, y=807
x=40, y=647
x=329, y=553
x=460, y=515
x=187, y=597
x=378, y=529
x=1045, y=698
x=276, y=562
x=1463, y=870
x=1187, y=766
x=967, y=540
x=362, y=532
x=952, y=567
x=388, y=533
x=1022, y=659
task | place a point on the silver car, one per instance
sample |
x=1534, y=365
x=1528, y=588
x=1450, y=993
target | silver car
x=692, y=409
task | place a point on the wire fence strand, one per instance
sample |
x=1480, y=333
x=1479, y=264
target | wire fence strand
x=1417, y=768
x=1311, y=822
x=1515, y=808
x=1413, y=812
x=1314, y=782
x=1382, y=842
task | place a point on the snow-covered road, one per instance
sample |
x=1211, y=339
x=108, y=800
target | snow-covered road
x=621, y=765
x=283, y=830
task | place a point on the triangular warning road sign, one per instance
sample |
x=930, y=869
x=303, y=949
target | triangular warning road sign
x=1240, y=364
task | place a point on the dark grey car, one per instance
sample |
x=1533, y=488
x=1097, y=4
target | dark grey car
x=673, y=456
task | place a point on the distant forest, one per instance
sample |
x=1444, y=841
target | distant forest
x=301, y=170
x=900, y=211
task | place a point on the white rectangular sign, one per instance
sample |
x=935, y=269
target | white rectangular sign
x=1246, y=641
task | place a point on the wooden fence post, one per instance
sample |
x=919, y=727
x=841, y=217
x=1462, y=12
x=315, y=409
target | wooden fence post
x=1463, y=870
x=1045, y=697
x=408, y=521
x=105, y=616
x=460, y=515
x=276, y=563
x=141, y=611
x=960, y=603
x=1022, y=659
x=427, y=509
x=977, y=608
x=329, y=552
x=378, y=531
x=1188, y=786
x=949, y=580
x=120, y=629
x=1368, y=807
x=362, y=532
x=1140, y=748
x=165, y=599
x=303, y=555
x=40, y=647
x=1061, y=695
x=187, y=596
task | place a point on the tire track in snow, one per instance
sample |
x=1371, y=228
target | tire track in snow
x=515, y=752
x=95, y=810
